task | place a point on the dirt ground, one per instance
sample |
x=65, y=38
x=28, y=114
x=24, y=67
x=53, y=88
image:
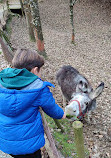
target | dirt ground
x=91, y=56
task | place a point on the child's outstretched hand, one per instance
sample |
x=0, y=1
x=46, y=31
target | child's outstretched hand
x=64, y=116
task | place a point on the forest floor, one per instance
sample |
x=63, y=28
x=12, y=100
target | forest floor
x=91, y=55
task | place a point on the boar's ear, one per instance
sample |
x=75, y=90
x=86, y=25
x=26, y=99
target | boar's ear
x=94, y=94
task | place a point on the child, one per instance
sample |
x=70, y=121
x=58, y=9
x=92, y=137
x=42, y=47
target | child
x=22, y=92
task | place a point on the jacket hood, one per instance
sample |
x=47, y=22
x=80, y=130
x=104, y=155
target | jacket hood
x=16, y=78
x=15, y=102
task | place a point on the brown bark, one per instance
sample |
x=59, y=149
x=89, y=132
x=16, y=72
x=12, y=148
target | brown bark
x=72, y=2
x=38, y=27
x=22, y=7
x=7, y=54
x=29, y=20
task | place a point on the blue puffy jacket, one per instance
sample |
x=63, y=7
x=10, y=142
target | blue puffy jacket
x=21, y=129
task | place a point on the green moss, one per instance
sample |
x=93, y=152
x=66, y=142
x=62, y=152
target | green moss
x=8, y=28
x=65, y=144
x=65, y=141
x=1, y=1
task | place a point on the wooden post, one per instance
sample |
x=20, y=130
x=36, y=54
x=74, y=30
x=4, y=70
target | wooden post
x=58, y=125
x=79, y=140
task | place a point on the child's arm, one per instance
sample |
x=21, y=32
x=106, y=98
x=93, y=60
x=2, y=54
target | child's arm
x=49, y=106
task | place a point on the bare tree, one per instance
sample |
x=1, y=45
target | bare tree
x=7, y=3
x=22, y=7
x=38, y=27
x=72, y=2
x=5, y=48
x=29, y=20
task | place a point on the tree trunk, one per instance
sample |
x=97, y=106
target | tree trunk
x=7, y=3
x=22, y=7
x=7, y=54
x=72, y=2
x=38, y=27
x=6, y=47
x=29, y=20
x=58, y=125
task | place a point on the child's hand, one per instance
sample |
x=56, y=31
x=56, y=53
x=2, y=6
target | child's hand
x=64, y=116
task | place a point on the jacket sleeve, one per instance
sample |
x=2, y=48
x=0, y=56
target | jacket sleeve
x=49, y=106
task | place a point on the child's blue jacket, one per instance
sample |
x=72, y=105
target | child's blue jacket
x=21, y=128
